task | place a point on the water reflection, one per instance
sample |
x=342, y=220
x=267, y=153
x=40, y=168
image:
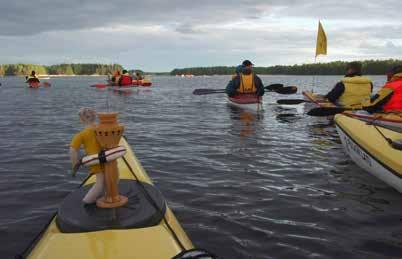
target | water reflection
x=244, y=121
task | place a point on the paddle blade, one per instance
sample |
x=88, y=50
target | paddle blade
x=325, y=111
x=274, y=87
x=291, y=101
x=287, y=90
x=46, y=84
x=208, y=91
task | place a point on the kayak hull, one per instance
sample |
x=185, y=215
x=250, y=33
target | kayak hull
x=369, y=150
x=156, y=241
x=246, y=102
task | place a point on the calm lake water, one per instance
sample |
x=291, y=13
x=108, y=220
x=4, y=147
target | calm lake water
x=276, y=185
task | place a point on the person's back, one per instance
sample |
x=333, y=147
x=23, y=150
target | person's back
x=246, y=82
x=357, y=89
x=353, y=89
x=125, y=79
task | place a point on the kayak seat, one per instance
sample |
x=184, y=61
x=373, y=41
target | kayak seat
x=139, y=212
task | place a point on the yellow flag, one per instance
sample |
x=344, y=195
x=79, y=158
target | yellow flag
x=321, y=48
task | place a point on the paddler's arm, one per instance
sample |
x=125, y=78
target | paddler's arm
x=75, y=146
x=336, y=92
x=231, y=88
x=73, y=156
x=377, y=101
x=259, y=85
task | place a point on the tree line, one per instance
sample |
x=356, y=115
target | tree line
x=370, y=67
x=61, y=69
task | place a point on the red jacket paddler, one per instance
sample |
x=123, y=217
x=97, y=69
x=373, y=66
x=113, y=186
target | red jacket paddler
x=395, y=103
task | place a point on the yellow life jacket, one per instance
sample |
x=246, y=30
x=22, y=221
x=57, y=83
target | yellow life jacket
x=357, y=90
x=247, y=85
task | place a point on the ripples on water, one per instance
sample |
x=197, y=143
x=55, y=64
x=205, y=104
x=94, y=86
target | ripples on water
x=276, y=185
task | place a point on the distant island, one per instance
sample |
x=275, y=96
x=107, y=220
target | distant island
x=61, y=69
x=370, y=67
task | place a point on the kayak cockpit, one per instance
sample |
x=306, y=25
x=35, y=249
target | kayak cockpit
x=139, y=212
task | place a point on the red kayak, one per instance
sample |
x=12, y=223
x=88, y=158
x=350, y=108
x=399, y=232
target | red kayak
x=246, y=101
x=101, y=86
x=135, y=83
x=37, y=84
x=142, y=83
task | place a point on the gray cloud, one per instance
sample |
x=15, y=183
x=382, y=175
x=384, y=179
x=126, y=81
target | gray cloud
x=161, y=35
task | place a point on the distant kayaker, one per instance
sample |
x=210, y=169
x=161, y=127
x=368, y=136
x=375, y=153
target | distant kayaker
x=353, y=89
x=238, y=70
x=115, y=77
x=125, y=79
x=389, y=97
x=87, y=139
x=138, y=76
x=32, y=78
x=246, y=82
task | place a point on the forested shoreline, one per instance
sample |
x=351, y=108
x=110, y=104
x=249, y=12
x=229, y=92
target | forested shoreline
x=60, y=69
x=370, y=67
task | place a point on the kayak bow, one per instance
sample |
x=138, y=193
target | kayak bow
x=138, y=230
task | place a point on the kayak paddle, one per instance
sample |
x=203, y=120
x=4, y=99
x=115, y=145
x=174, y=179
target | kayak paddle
x=292, y=101
x=208, y=91
x=326, y=111
x=277, y=88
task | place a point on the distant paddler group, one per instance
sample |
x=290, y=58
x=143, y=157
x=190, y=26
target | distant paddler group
x=354, y=93
x=369, y=125
x=123, y=79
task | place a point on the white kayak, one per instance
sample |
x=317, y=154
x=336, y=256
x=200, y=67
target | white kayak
x=248, y=102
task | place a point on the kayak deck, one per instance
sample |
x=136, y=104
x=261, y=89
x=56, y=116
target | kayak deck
x=157, y=241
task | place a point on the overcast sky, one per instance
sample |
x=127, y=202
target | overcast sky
x=159, y=35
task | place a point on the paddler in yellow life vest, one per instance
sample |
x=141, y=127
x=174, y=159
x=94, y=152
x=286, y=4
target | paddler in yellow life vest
x=87, y=139
x=353, y=89
x=32, y=78
x=246, y=82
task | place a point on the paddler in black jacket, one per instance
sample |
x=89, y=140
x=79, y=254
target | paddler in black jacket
x=246, y=82
x=353, y=89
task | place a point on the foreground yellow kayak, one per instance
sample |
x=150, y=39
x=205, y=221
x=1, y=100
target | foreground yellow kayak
x=138, y=230
x=369, y=148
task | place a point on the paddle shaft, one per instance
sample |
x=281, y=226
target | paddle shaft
x=277, y=88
